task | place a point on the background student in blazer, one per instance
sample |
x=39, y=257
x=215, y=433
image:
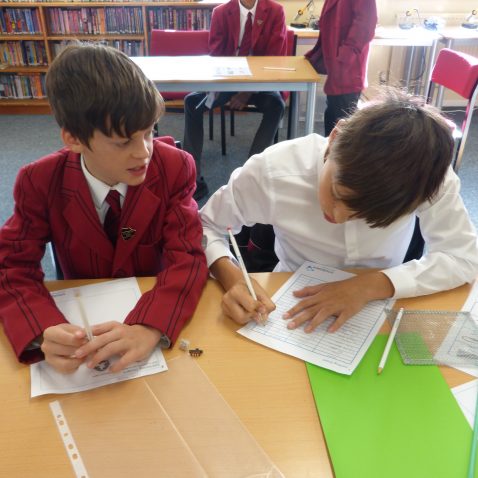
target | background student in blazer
x=346, y=29
x=227, y=38
x=106, y=109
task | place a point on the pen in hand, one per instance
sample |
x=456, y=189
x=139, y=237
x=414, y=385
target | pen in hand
x=104, y=364
x=247, y=279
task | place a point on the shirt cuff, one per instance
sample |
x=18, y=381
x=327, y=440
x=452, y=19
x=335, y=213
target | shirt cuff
x=215, y=250
x=403, y=284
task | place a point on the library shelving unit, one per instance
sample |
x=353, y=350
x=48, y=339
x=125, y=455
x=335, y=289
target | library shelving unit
x=33, y=32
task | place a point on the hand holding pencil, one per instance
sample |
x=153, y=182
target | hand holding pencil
x=261, y=309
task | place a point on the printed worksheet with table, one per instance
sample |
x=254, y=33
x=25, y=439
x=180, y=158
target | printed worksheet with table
x=340, y=351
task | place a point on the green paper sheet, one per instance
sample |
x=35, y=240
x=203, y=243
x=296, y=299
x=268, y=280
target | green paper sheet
x=404, y=423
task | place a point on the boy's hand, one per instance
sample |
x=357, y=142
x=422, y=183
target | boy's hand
x=59, y=345
x=238, y=303
x=132, y=343
x=240, y=100
x=341, y=299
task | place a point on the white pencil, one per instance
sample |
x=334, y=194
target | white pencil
x=84, y=319
x=283, y=68
x=243, y=269
x=393, y=332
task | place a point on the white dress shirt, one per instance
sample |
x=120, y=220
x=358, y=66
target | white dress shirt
x=99, y=190
x=280, y=187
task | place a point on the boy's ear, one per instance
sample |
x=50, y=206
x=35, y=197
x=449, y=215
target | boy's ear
x=72, y=142
x=336, y=130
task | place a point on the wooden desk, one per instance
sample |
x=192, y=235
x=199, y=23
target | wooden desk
x=196, y=73
x=269, y=391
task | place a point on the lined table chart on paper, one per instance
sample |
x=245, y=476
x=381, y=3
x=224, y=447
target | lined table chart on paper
x=340, y=351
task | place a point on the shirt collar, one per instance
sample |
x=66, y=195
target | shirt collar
x=98, y=189
x=244, y=11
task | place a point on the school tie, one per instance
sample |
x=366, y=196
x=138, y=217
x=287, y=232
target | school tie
x=246, y=42
x=112, y=218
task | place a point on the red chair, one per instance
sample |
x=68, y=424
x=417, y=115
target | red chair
x=178, y=43
x=458, y=72
x=291, y=50
x=182, y=43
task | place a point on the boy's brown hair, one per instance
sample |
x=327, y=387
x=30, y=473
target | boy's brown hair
x=393, y=155
x=93, y=86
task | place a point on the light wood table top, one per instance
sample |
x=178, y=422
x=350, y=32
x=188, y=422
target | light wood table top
x=268, y=390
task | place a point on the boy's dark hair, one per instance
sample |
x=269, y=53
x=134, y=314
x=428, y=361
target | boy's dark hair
x=93, y=86
x=393, y=155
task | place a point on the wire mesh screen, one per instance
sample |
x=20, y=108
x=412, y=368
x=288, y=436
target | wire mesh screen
x=427, y=337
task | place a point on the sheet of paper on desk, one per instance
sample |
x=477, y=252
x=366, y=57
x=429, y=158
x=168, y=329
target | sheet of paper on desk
x=340, y=351
x=235, y=67
x=466, y=395
x=103, y=302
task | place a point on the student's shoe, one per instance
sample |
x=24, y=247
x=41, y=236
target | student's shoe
x=201, y=189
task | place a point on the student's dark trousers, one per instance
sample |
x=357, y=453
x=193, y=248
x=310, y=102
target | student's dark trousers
x=338, y=107
x=269, y=103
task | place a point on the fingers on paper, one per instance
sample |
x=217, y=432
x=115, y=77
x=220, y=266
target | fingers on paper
x=130, y=343
x=63, y=364
x=308, y=291
x=64, y=334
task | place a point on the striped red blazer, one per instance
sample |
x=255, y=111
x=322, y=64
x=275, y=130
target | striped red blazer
x=53, y=203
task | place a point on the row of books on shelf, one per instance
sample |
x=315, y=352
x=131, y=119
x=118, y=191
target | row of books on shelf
x=22, y=86
x=23, y=53
x=130, y=47
x=179, y=19
x=14, y=21
x=33, y=53
x=95, y=21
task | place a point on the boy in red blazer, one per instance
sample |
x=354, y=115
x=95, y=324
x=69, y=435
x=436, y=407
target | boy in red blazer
x=346, y=29
x=228, y=37
x=106, y=109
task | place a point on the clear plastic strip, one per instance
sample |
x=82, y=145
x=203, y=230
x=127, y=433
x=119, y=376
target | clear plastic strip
x=68, y=440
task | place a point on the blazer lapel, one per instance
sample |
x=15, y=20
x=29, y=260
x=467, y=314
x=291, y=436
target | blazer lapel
x=259, y=19
x=80, y=212
x=233, y=23
x=139, y=208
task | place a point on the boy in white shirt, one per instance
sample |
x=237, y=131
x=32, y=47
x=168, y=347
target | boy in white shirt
x=350, y=201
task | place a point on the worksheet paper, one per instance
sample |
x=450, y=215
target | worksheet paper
x=465, y=395
x=340, y=351
x=103, y=302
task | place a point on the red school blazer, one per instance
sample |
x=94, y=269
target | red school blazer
x=269, y=31
x=346, y=29
x=53, y=203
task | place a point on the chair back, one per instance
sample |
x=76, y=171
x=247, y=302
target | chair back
x=291, y=50
x=291, y=43
x=457, y=72
x=179, y=42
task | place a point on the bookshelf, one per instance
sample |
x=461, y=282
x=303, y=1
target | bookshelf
x=33, y=32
